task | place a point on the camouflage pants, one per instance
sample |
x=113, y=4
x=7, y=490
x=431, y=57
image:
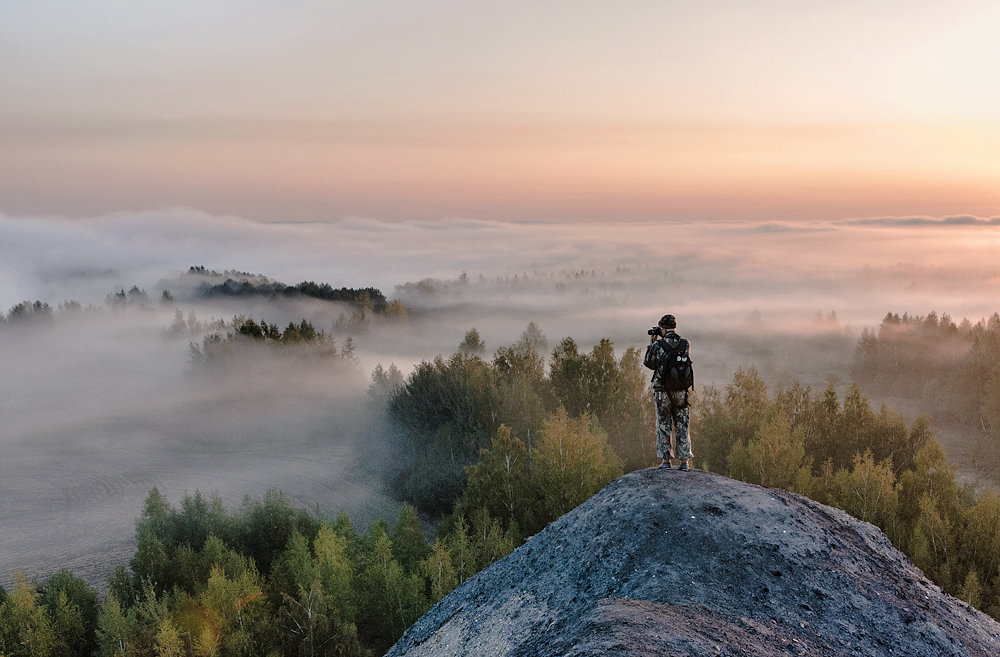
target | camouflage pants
x=672, y=408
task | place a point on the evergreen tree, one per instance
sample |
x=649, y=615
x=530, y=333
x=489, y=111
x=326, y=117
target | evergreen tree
x=472, y=344
x=265, y=526
x=337, y=571
x=461, y=550
x=295, y=568
x=567, y=376
x=117, y=632
x=823, y=439
x=438, y=570
x=81, y=600
x=69, y=633
x=534, y=338
x=149, y=564
x=972, y=590
x=386, y=381
x=158, y=518
x=25, y=628
x=391, y=599
x=408, y=543
x=491, y=542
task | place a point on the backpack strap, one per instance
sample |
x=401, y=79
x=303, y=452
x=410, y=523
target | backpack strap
x=682, y=344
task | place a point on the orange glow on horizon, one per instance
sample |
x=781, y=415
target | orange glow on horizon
x=537, y=171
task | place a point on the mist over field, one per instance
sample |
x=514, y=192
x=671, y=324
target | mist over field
x=104, y=403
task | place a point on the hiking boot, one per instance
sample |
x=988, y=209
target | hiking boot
x=665, y=465
x=684, y=466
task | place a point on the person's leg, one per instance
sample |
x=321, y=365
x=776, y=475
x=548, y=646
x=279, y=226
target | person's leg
x=663, y=421
x=680, y=415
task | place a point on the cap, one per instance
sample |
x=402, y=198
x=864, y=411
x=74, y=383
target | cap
x=667, y=322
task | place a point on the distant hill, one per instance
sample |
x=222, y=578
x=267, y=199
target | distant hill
x=663, y=562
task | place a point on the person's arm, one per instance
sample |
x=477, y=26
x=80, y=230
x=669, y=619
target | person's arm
x=652, y=358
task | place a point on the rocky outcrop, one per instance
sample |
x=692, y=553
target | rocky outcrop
x=663, y=562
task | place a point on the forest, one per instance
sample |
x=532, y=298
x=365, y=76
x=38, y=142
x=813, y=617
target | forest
x=490, y=450
x=951, y=370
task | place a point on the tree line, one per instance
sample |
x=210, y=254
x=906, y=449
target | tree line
x=371, y=297
x=449, y=409
x=28, y=313
x=231, y=341
x=38, y=312
x=951, y=369
x=364, y=302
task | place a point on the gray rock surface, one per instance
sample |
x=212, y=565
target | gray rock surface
x=663, y=562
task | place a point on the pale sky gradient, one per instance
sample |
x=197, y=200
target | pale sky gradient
x=582, y=110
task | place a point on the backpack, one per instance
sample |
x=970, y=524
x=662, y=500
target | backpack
x=676, y=369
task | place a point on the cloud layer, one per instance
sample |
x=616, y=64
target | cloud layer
x=103, y=404
x=718, y=270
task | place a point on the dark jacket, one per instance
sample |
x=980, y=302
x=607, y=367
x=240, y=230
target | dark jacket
x=657, y=351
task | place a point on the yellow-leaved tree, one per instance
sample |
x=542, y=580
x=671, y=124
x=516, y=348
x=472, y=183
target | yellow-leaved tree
x=572, y=461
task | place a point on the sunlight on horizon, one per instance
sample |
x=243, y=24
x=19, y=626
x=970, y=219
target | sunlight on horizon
x=777, y=110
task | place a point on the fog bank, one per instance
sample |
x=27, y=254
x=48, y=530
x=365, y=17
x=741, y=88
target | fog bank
x=103, y=403
x=707, y=271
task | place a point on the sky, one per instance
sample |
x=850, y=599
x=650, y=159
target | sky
x=789, y=110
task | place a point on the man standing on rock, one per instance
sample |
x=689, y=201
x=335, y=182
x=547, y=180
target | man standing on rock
x=668, y=355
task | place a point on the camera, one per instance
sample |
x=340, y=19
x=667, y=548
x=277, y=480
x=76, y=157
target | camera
x=656, y=330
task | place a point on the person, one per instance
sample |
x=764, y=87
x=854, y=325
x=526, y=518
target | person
x=673, y=440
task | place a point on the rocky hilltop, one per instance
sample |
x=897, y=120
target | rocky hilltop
x=663, y=562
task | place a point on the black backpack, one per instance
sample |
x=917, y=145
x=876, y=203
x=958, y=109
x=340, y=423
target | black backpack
x=676, y=369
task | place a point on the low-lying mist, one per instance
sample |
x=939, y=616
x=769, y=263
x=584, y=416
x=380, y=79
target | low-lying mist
x=101, y=406
x=103, y=402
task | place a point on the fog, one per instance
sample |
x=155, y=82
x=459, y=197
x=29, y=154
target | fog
x=101, y=406
x=103, y=403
